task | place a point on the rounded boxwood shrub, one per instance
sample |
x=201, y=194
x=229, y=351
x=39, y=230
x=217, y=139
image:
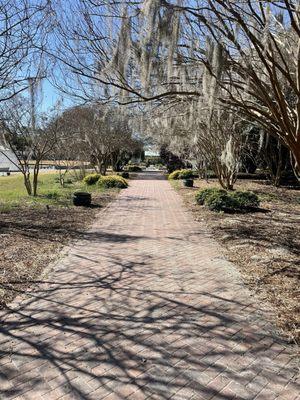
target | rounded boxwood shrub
x=91, y=179
x=219, y=201
x=246, y=199
x=186, y=174
x=174, y=175
x=113, y=181
x=204, y=193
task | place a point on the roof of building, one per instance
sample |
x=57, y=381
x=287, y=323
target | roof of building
x=8, y=159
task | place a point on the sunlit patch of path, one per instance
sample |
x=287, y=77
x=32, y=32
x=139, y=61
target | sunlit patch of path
x=144, y=307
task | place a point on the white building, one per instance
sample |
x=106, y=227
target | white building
x=151, y=153
x=8, y=161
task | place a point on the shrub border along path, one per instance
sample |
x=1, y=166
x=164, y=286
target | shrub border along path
x=144, y=307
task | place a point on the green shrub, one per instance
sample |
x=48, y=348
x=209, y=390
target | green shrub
x=91, y=179
x=204, y=193
x=112, y=181
x=181, y=174
x=174, y=175
x=246, y=199
x=134, y=168
x=219, y=201
x=186, y=174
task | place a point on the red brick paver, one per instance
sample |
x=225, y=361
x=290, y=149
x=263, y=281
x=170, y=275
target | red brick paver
x=144, y=306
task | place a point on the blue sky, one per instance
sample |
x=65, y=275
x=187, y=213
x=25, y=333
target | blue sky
x=50, y=95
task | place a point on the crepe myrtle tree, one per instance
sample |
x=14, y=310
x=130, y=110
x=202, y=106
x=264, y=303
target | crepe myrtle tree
x=124, y=151
x=213, y=137
x=166, y=51
x=102, y=132
x=66, y=153
x=30, y=140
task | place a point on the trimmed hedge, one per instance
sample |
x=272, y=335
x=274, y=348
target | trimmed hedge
x=91, y=179
x=113, y=181
x=221, y=200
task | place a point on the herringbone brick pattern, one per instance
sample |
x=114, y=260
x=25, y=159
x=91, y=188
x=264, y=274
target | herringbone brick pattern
x=144, y=307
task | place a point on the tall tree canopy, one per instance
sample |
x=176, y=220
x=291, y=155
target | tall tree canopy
x=242, y=55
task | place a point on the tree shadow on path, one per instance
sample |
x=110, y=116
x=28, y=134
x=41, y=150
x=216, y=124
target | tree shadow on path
x=95, y=335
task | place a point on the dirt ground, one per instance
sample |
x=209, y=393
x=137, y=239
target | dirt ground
x=265, y=246
x=31, y=237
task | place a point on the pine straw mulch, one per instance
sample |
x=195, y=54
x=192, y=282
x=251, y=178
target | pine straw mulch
x=265, y=246
x=31, y=238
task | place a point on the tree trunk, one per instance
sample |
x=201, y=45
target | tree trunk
x=27, y=183
x=114, y=162
x=61, y=179
x=278, y=173
x=35, y=178
x=295, y=156
x=225, y=177
x=103, y=168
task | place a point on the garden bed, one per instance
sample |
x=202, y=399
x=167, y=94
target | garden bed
x=34, y=231
x=264, y=245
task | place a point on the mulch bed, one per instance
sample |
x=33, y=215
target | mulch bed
x=264, y=245
x=31, y=237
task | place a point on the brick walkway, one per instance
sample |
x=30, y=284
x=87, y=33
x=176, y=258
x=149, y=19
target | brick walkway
x=144, y=307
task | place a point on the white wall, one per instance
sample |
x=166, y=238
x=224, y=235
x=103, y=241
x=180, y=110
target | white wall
x=5, y=162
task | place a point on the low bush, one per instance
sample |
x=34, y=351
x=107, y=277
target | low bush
x=174, y=175
x=246, y=199
x=112, y=181
x=181, y=174
x=204, y=193
x=91, y=179
x=134, y=168
x=221, y=200
x=186, y=174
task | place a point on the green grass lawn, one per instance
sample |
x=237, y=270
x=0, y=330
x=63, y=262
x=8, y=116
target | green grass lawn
x=13, y=192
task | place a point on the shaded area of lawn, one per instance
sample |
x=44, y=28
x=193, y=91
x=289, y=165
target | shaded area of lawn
x=265, y=246
x=34, y=230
